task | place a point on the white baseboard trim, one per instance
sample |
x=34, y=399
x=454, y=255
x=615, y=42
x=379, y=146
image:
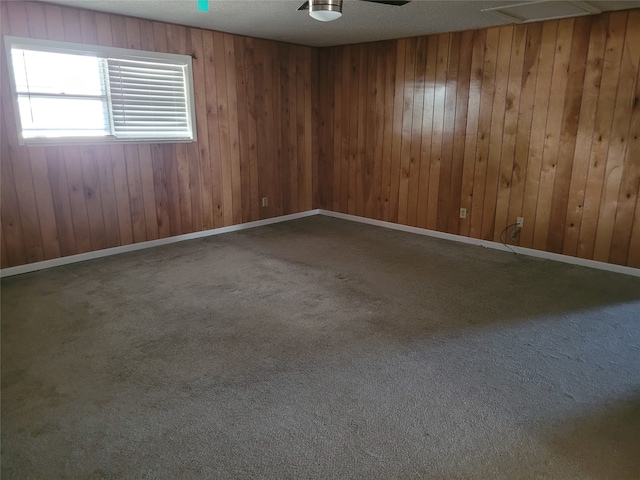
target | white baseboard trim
x=56, y=262
x=488, y=244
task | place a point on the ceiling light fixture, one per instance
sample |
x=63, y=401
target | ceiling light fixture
x=325, y=10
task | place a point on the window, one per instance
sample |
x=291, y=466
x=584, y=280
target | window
x=70, y=93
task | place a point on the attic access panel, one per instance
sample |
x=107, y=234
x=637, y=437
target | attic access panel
x=543, y=10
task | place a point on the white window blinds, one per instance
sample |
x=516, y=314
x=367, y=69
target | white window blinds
x=71, y=93
x=148, y=99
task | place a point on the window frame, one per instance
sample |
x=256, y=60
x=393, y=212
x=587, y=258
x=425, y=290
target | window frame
x=100, y=52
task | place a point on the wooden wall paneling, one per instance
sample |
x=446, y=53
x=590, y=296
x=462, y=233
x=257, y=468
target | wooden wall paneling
x=446, y=155
x=148, y=192
x=471, y=137
x=291, y=134
x=363, y=171
x=602, y=133
x=337, y=130
x=303, y=105
x=112, y=169
x=267, y=176
x=44, y=202
x=4, y=257
x=552, y=134
x=439, y=105
x=387, y=139
x=161, y=154
x=121, y=185
x=462, y=105
x=276, y=164
x=243, y=127
x=586, y=122
x=93, y=196
x=88, y=27
x=37, y=20
x=11, y=222
x=622, y=246
x=234, y=140
x=618, y=144
x=17, y=158
x=354, y=100
x=415, y=148
x=308, y=119
x=321, y=85
x=408, y=94
x=72, y=157
x=568, y=133
x=288, y=160
x=61, y=201
x=101, y=236
x=212, y=125
x=484, y=131
x=107, y=193
x=525, y=119
x=312, y=126
x=193, y=150
x=79, y=214
x=538, y=124
x=175, y=43
x=136, y=196
x=396, y=139
x=265, y=147
x=633, y=259
x=346, y=129
x=325, y=82
x=252, y=129
x=496, y=133
x=202, y=128
x=368, y=165
x=125, y=173
x=377, y=67
x=171, y=161
x=510, y=129
x=261, y=120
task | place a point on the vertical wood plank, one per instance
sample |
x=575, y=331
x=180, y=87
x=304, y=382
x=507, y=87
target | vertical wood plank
x=602, y=133
x=408, y=95
x=462, y=105
x=496, y=134
x=396, y=132
x=234, y=141
x=553, y=131
x=623, y=249
x=568, y=133
x=354, y=92
x=618, y=144
x=446, y=156
x=484, y=131
x=586, y=122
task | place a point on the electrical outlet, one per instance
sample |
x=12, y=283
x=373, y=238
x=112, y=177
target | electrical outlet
x=463, y=213
x=265, y=202
x=520, y=222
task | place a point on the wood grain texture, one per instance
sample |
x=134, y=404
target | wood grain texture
x=537, y=120
x=59, y=201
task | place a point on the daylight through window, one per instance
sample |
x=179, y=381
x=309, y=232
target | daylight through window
x=68, y=93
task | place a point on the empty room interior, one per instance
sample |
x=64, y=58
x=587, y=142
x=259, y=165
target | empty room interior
x=311, y=240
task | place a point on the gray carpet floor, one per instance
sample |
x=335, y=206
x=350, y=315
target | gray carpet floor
x=320, y=348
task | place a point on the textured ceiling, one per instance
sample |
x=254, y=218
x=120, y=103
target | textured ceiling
x=361, y=22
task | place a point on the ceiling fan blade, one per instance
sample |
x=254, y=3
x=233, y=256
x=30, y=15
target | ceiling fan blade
x=395, y=3
x=304, y=6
